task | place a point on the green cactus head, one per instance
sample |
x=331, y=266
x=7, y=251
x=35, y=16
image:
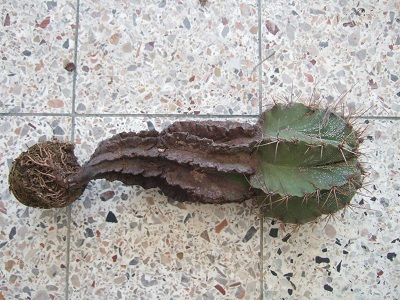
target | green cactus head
x=307, y=163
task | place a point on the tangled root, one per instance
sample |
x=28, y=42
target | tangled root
x=38, y=177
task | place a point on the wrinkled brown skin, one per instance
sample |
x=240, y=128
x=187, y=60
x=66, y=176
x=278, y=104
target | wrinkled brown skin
x=38, y=177
x=188, y=161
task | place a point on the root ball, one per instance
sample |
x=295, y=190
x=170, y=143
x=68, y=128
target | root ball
x=39, y=176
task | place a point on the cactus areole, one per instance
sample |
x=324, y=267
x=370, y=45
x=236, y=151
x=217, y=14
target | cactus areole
x=299, y=162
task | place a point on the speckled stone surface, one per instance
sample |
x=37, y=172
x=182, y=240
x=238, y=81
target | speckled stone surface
x=159, y=61
x=342, y=49
x=33, y=244
x=36, y=41
x=168, y=57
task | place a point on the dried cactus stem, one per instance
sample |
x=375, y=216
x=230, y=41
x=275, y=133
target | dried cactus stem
x=206, y=162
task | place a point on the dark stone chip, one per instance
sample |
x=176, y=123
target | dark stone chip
x=339, y=266
x=319, y=259
x=134, y=261
x=89, y=232
x=273, y=232
x=391, y=255
x=150, y=125
x=187, y=218
x=27, y=53
x=70, y=67
x=328, y=288
x=111, y=217
x=66, y=44
x=12, y=233
x=250, y=233
x=286, y=237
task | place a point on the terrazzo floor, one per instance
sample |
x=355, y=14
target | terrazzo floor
x=84, y=70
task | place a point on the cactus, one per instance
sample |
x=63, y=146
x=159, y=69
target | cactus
x=307, y=164
x=300, y=163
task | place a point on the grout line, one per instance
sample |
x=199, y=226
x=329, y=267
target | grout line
x=377, y=117
x=262, y=220
x=73, y=116
x=180, y=116
x=75, y=75
x=67, y=263
x=187, y=116
x=260, y=97
x=35, y=114
x=260, y=60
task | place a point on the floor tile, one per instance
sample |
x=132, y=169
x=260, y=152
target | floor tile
x=331, y=51
x=37, y=41
x=168, y=57
x=32, y=241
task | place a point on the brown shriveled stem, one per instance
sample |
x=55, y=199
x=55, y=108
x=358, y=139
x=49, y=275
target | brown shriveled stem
x=205, y=162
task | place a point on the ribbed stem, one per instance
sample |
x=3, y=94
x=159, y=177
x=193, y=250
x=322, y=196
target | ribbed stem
x=205, y=162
